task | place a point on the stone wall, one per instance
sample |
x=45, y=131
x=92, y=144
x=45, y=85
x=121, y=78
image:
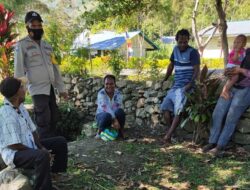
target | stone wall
x=141, y=102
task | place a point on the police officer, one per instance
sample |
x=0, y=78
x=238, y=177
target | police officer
x=33, y=62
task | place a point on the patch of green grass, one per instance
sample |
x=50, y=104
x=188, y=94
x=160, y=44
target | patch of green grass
x=84, y=178
x=180, y=166
x=157, y=167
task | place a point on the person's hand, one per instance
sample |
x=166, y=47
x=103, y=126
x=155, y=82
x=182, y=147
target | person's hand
x=116, y=124
x=51, y=156
x=225, y=94
x=188, y=86
x=64, y=95
x=229, y=72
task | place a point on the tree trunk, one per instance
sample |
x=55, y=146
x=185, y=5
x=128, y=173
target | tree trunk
x=198, y=39
x=223, y=28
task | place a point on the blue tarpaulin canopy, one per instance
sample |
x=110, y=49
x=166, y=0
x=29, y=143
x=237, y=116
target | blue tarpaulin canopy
x=106, y=40
x=109, y=44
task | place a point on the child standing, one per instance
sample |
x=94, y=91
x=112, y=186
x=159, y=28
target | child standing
x=235, y=58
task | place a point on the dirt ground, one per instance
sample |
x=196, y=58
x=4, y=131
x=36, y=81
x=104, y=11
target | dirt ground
x=126, y=164
x=116, y=160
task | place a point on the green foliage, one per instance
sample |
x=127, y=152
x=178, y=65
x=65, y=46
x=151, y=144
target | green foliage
x=54, y=38
x=20, y=6
x=99, y=66
x=7, y=40
x=116, y=62
x=154, y=70
x=28, y=99
x=70, y=122
x=181, y=166
x=213, y=63
x=159, y=17
x=57, y=35
x=82, y=53
x=74, y=65
x=164, y=51
x=201, y=103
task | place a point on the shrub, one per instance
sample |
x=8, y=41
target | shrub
x=98, y=66
x=116, y=62
x=201, y=103
x=70, y=122
x=74, y=65
x=164, y=51
x=215, y=63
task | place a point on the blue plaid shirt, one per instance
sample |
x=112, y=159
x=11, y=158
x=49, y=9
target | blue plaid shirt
x=15, y=128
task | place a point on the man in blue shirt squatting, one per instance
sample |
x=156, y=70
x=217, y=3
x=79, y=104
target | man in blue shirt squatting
x=185, y=61
x=109, y=111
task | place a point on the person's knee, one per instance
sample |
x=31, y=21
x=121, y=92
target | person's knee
x=105, y=117
x=61, y=140
x=43, y=156
x=42, y=115
x=167, y=116
x=120, y=112
x=60, y=144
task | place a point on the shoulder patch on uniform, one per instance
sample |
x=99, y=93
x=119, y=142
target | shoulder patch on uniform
x=48, y=48
x=31, y=47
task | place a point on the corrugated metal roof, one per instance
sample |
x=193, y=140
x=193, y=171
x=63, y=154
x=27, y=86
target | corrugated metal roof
x=234, y=28
x=106, y=40
x=168, y=39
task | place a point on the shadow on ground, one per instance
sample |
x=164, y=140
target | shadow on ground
x=142, y=162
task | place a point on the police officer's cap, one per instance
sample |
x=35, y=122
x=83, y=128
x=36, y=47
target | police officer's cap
x=32, y=15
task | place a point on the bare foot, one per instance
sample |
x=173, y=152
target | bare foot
x=167, y=139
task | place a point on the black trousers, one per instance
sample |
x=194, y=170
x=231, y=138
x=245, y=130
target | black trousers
x=39, y=160
x=46, y=113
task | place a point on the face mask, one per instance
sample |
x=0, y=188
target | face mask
x=37, y=33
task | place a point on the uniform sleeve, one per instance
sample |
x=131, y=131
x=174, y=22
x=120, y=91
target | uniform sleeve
x=19, y=70
x=59, y=84
x=8, y=131
x=103, y=105
x=195, y=57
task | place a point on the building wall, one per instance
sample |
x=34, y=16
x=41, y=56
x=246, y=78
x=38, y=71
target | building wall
x=136, y=47
x=214, y=50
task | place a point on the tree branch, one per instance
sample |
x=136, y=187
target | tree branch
x=194, y=25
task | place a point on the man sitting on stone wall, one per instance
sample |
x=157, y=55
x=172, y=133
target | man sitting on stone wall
x=20, y=146
x=227, y=112
x=186, y=62
x=109, y=107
